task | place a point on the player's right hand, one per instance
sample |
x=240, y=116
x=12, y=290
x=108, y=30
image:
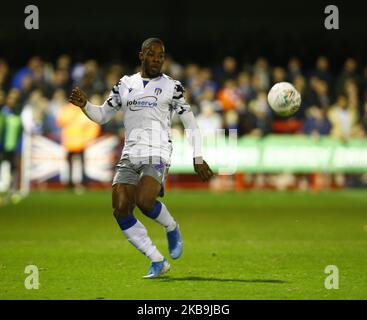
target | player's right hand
x=78, y=97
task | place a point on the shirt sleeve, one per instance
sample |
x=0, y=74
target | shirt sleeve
x=187, y=118
x=104, y=113
x=179, y=103
x=193, y=133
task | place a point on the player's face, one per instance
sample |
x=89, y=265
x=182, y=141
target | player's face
x=152, y=59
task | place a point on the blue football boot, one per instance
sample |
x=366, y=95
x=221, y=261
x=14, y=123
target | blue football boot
x=156, y=269
x=175, y=243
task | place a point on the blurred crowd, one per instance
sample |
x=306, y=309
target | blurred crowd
x=229, y=95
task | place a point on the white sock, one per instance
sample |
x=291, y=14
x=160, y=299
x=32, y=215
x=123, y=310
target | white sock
x=165, y=219
x=137, y=235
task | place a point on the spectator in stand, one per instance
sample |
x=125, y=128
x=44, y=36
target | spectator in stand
x=12, y=102
x=227, y=71
x=60, y=80
x=201, y=82
x=299, y=83
x=349, y=72
x=319, y=93
x=246, y=120
x=113, y=75
x=279, y=75
x=63, y=62
x=92, y=81
x=34, y=75
x=231, y=120
x=4, y=75
x=322, y=71
x=208, y=97
x=193, y=82
x=172, y=68
x=364, y=84
x=77, y=72
x=364, y=121
x=261, y=75
x=229, y=95
x=207, y=80
x=33, y=66
x=26, y=88
x=294, y=69
x=208, y=120
x=343, y=117
x=77, y=132
x=316, y=123
x=261, y=115
x=2, y=123
x=191, y=72
x=351, y=91
x=245, y=88
x=11, y=142
x=33, y=113
x=2, y=98
x=260, y=103
x=51, y=127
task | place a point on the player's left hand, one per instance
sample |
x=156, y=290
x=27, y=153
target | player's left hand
x=202, y=169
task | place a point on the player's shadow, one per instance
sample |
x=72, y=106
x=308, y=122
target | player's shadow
x=193, y=278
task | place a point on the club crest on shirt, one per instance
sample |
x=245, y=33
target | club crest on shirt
x=157, y=91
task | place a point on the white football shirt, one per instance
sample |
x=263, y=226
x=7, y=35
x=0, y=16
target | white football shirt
x=148, y=106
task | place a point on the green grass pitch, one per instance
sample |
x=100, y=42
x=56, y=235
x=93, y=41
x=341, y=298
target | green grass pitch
x=249, y=245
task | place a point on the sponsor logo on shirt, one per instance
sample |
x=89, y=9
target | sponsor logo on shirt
x=141, y=103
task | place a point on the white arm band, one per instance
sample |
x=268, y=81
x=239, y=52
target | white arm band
x=192, y=132
x=100, y=114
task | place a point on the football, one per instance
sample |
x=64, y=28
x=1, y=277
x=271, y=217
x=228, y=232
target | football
x=284, y=99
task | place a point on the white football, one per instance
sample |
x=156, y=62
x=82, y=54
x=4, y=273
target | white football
x=284, y=99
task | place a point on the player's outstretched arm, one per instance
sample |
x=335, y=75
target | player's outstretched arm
x=194, y=136
x=99, y=114
x=192, y=131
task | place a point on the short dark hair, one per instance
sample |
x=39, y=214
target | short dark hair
x=149, y=41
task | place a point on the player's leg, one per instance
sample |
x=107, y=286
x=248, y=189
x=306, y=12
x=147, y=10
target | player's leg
x=147, y=191
x=123, y=200
x=146, y=199
x=12, y=158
